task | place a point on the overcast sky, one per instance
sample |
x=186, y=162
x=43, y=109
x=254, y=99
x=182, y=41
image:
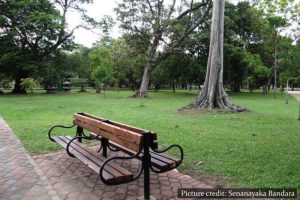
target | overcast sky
x=96, y=10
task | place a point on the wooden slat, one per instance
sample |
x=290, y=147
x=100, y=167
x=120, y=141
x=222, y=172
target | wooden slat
x=112, y=168
x=112, y=171
x=83, y=159
x=165, y=156
x=111, y=165
x=130, y=135
x=125, y=126
x=122, y=141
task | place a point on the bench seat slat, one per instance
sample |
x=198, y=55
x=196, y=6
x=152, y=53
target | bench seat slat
x=113, y=168
x=112, y=171
x=83, y=159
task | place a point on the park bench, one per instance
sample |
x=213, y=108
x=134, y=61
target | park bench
x=114, y=136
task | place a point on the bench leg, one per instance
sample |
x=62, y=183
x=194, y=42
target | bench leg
x=104, y=144
x=146, y=166
x=79, y=133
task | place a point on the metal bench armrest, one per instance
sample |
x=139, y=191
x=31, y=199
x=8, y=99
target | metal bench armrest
x=76, y=138
x=120, y=158
x=57, y=126
x=164, y=150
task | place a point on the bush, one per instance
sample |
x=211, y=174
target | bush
x=29, y=84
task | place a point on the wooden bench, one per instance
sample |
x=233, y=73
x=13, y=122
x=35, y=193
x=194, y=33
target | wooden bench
x=135, y=142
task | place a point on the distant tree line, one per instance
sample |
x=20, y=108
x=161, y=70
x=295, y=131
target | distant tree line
x=162, y=45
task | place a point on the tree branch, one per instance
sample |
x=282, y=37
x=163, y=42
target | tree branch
x=171, y=10
x=169, y=50
x=191, y=10
x=151, y=9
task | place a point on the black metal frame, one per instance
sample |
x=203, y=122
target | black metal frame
x=60, y=126
x=146, y=158
x=146, y=163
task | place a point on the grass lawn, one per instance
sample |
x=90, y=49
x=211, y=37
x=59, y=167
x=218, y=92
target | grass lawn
x=258, y=148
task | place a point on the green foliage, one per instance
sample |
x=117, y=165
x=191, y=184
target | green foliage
x=29, y=84
x=32, y=32
x=101, y=62
x=289, y=64
x=103, y=75
x=126, y=63
x=178, y=68
x=5, y=83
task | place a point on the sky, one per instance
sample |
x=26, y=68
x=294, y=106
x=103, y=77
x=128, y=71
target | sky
x=96, y=10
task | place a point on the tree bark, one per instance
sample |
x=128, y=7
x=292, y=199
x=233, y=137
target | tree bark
x=98, y=88
x=173, y=85
x=142, y=92
x=213, y=94
x=266, y=87
x=18, y=89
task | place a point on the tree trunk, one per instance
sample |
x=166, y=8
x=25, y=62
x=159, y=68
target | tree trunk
x=18, y=89
x=236, y=87
x=98, y=88
x=142, y=92
x=82, y=87
x=266, y=87
x=213, y=94
x=173, y=86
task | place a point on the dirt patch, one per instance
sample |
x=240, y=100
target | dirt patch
x=205, y=111
x=212, y=180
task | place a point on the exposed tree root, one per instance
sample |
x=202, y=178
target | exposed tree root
x=222, y=102
x=140, y=94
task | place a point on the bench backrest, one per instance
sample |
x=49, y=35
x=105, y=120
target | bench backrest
x=124, y=135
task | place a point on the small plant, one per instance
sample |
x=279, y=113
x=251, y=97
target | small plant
x=29, y=84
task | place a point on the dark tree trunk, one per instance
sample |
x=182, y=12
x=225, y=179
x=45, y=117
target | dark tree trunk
x=82, y=87
x=18, y=89
x=98, y=88
x=173, y=86
x=266, y=87
x=236, y=87
x=213, y=94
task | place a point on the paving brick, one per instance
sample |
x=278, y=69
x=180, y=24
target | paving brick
x=18, y=175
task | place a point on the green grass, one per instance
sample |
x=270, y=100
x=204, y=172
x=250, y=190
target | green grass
x=258, y=148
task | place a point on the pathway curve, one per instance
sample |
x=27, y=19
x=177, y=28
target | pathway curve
x=295, y=94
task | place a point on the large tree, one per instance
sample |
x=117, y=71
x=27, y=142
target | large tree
x=33, y=31
x=160, y=24
x=213, y=94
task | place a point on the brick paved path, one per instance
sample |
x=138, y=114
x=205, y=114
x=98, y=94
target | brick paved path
x=19, y=176
x=73, y=180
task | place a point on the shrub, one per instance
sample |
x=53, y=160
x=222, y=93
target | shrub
x=29, y=84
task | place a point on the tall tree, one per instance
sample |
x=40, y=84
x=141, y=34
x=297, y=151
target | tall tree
x=34, y=31
x=158, y=22
x=213, y=94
